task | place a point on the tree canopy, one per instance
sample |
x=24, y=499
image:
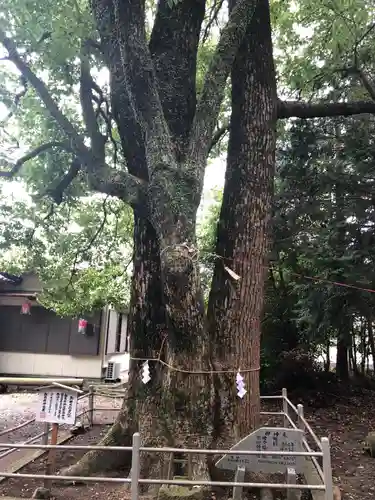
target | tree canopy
x=111, y=110
x=322, y=51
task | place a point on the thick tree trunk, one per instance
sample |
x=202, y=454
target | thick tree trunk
x=166, y=321
x=327, y=363
x=146, y=328
x=351, y=361
x=235, y=307
x=179, y=410
x=187, y=392
x=169, y=409
x=363, y=349
x=355, y=350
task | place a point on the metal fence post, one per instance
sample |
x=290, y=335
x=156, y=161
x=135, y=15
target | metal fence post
x=91, y=405
x=291, y=478
x=327, y=469
x=135, y=471
x=285, y=406
x=300, y=417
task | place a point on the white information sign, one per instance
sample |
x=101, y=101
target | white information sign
x=57, y=406
x=266, y=439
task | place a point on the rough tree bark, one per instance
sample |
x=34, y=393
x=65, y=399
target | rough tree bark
x=344, y=323
x=235, y=308
x=173, y=47
x=174, y=183
x=342, y=357
x=163, y=183
x=146, y=325
x=370, y=332
x=175, y=157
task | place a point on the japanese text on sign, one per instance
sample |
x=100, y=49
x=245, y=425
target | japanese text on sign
x=57, y=406
x=266, y=439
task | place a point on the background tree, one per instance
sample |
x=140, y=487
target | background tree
x=81, y=251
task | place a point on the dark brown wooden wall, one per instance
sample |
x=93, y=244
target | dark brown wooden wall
x=45, y=332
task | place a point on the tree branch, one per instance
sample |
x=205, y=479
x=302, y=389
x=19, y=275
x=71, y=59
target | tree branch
x=370, y=87
x=215, y=80
x=138, y=77
x=300, y=109
x=130, y=189
x=357, y=67
x=173, y=47
x=106, y=116
x=219, y=134
x=57, y=191
x=43, y=92
x=33, y=154
x=85, y=93
x=90, y=243
x=212, y=18
x=116, y=184
x=126, y=187
x=17, y=99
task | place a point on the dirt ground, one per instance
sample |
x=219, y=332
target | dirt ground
x=24, y=488
x=346, y=423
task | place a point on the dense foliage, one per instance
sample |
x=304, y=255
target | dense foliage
x=82, y=250
x=81, y=246
x=324, y=230
x=323, y=252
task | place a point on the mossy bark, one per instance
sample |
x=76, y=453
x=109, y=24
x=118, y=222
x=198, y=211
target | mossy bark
x=179, y=407
x=166, y=305
x=174, y=408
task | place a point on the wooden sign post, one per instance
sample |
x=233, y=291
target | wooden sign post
x=238, y=478
x=57, y=405
x=51, y=460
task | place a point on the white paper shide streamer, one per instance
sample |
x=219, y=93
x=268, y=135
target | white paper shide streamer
x=145, y=373
x=240, y=384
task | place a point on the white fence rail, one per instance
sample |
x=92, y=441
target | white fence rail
x=321, y=488
x=313, y=470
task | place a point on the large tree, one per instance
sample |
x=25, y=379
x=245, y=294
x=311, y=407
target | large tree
x=145, y=140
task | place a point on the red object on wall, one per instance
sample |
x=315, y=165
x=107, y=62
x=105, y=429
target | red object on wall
x=25, y=308
x=82, y=326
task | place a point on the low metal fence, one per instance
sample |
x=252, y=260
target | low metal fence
x=321, y=474
x=88, y=399
x=323, y=487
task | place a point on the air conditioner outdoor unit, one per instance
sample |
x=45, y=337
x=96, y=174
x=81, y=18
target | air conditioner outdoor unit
x=113, y=371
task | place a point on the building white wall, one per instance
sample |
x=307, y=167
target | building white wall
x=15, y=301
x=61, y=365
x=54, y=365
